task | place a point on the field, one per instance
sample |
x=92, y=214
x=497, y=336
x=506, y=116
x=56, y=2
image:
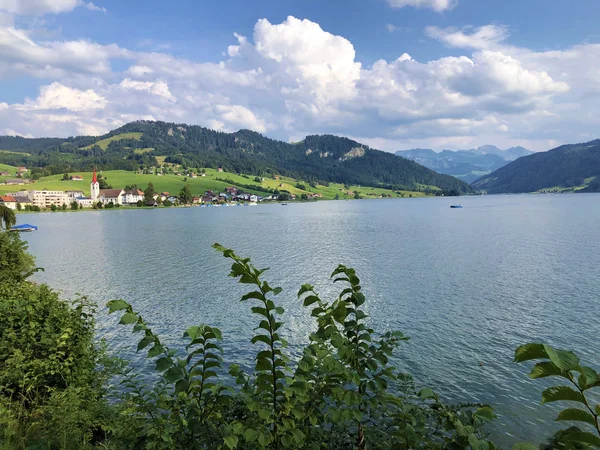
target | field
x=103, y=144
x=174, y=183
x=15, y=153
x=8, y=168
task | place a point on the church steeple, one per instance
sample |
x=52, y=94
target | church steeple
x=94, y=187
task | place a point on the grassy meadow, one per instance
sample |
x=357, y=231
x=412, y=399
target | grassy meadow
x=104, y=143
x=173, y=184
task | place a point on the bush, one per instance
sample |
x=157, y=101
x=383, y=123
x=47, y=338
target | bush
x=52, y=374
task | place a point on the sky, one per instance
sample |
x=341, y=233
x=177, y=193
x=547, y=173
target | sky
x=393, y=74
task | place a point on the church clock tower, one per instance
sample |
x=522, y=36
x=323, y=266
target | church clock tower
x=95, y=187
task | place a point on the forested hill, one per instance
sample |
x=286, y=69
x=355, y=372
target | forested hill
x=569, y=167
x=320, y=158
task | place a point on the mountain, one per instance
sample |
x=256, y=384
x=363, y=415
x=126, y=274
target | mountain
x=324, y=158
x=509, y=154
x=467, y=165
x=566, y=168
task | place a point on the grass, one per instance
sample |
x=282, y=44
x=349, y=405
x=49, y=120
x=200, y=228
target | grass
x=559, y=189
x=104, y=143
x=15, y=153
x=174, y=183
x=11, y=169
x=141, y=151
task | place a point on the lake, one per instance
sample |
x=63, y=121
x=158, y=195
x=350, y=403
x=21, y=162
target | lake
x=467, y=285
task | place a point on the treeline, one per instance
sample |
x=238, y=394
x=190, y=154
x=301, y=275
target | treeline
x=343, y=392
x=325, y=158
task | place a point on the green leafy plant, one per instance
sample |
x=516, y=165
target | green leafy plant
x=581, y=381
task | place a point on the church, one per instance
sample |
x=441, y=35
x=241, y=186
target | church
x=105, y=196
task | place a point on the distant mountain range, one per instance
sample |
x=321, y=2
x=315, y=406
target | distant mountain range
x=466, y=165
x=319, y=158
x=573, y=167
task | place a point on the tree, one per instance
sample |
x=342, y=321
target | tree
x=98, y=205
x=149, y=193
x=337, y=197
x=74, y=206
x=139, y=203
x=64, y=207
x=185, y=195
x=19, y=207
x=304, y=197
x=66, y=177
x=8, y=219
x=53, y=207
x=167, y=203
x=103, y=183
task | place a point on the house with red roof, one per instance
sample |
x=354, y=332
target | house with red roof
x=8, y=201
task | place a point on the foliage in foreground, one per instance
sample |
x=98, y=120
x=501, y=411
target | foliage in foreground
x=341, y=393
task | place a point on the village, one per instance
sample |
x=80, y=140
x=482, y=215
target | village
x=37, y=200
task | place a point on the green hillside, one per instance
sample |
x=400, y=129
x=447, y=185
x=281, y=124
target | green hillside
x=568, y=168
x=104, y=143
x=316, y=159
x=174, y=183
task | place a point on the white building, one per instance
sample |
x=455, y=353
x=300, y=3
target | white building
x=9, y=201
x=85, y=202
x=114, y=196
x=46, y=198
x=132, y=196
x=73, y=195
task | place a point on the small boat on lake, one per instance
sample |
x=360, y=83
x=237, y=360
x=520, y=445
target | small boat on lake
x=456, y=206
x=284, y=204
x=25, y=228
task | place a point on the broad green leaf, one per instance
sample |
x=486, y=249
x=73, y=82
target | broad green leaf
x=304, y=289
x=427, y=393
x=163, y=364
x=117, y=305
x=254, y=295
x=128, y=318
x=546, y=369
x=261, y=338
x=485, y=413
x=562, y=359
x=528, y=352
x=231, y=441
x=250, y=435
x=477, y=444
x=525, y=446
x=181, y=386
x=576, y=414
x=582, y=437
x=263, y=364
x=597, y=409
x=557, y=393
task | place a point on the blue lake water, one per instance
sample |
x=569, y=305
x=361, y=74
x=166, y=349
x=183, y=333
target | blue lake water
x=467, y=285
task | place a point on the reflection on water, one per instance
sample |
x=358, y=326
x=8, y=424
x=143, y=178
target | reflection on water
x=467, y=285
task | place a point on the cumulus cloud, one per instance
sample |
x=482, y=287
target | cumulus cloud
x=293, y=78
x=58, y=96
x=436, y=5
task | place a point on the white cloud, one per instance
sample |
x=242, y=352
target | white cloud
x=159, y=88
x=390, y=27
x=294, y=78
x=38, y=7
x=93, y=7
x=486, y=37
x=58, y=96
x=436, y=5
x=41, y=7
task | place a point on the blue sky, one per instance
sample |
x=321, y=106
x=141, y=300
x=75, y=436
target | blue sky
x=395, y=74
